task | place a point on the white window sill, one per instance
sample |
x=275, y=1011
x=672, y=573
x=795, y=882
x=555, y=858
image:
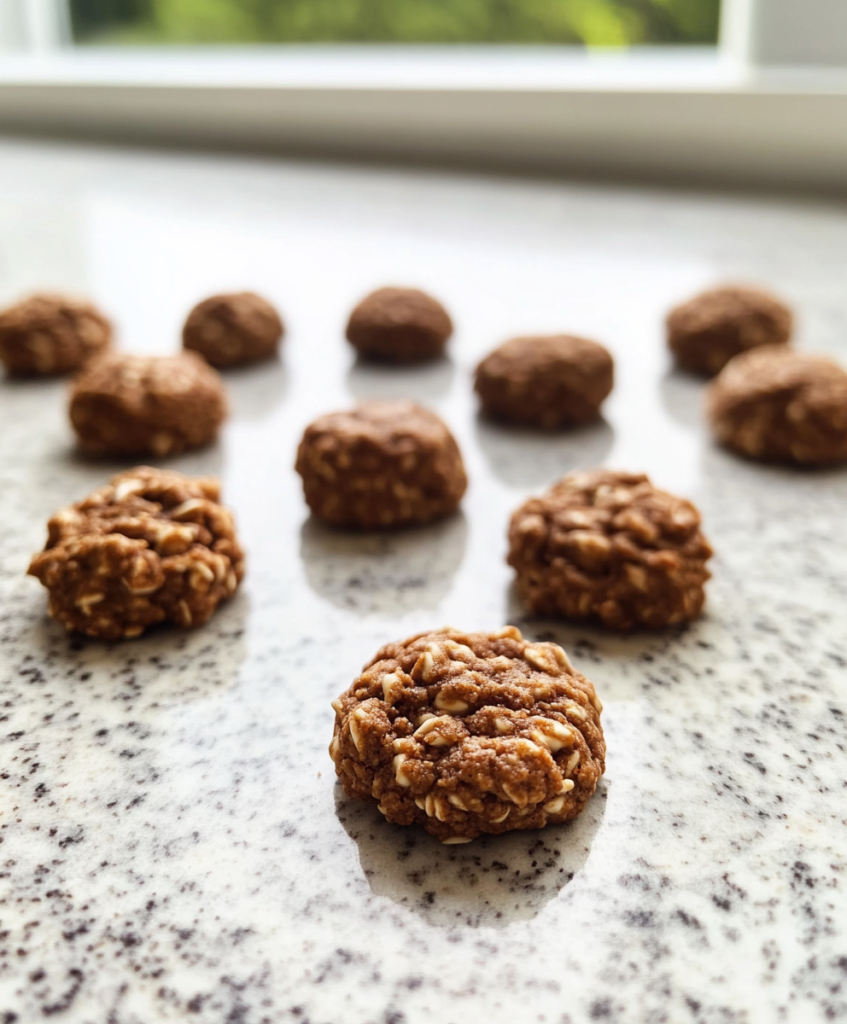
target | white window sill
x=690, y=115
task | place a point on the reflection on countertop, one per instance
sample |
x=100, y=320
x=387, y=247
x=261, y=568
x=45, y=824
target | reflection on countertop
x=522, y=457
x=683, y=396
x=255, y=390
x=490, y=883
x=373, y=573
x=422, y=382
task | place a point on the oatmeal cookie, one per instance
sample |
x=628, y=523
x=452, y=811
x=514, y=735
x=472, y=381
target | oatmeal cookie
x=229, y=330
x=151, y=546
x=779, y=405
x=467, y=733
x=381, y=465
x=612, y=548
x=548, y=381
x=399, y=325
x=146, y=405
x=51, y=334
x=708, y=330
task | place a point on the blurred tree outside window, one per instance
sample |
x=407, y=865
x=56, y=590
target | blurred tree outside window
x=616, y=23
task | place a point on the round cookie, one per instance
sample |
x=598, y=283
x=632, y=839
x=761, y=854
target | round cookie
x=466, y=733
x=549, y=381
x=399, y=325
x=708, y=330
x=146, y=405
x=151, y=546
x=779, y=405
x=381, y=465
x=612, y=548
x=47, y=334
x=230, y=330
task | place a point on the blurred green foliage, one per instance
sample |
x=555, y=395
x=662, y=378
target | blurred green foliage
x=585, y=22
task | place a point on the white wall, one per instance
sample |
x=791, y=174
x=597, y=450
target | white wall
x=799, y=32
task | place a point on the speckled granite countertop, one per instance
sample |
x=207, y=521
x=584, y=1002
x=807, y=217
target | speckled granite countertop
x=173, y=844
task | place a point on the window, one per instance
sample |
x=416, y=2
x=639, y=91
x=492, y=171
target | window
x=603, y=23
x=645, y=91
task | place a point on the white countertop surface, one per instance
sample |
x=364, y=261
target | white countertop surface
x=174, y=847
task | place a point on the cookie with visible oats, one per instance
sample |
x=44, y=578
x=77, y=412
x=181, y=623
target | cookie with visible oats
x=45, y=335
x=381, y=465
x=705, y=332
x=146, y=405
x=151, y=546
x=611, y=548
x=467, y=733
x=399, y=325
x=233, y=329
x=549, y=381
x=778, y=405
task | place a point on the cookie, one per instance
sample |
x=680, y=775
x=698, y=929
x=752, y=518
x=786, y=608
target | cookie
x=466, y=733
x=47, y=334
x=708, y=330
x=230, y=330
x=146, y=405
x=399, y=325
x=381, y=465
x=779, y=405
x=611, y=548
x=549, y=381
x=151, y=546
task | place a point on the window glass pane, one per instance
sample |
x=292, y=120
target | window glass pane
x=587, y=22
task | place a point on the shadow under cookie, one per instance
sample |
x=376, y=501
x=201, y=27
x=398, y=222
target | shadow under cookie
x=591, y=635
x=526, y=457
x=422, y=382
x=682, y=396
x=165, y=666
x=383, y=573
x=256, y=389
x=206, y=461
x=489, y=882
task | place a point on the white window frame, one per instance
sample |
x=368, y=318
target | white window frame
x=768, y=107
x=764, y=32
x=34, y=26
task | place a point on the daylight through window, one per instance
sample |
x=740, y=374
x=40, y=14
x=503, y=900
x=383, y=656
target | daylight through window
x=616, y=23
